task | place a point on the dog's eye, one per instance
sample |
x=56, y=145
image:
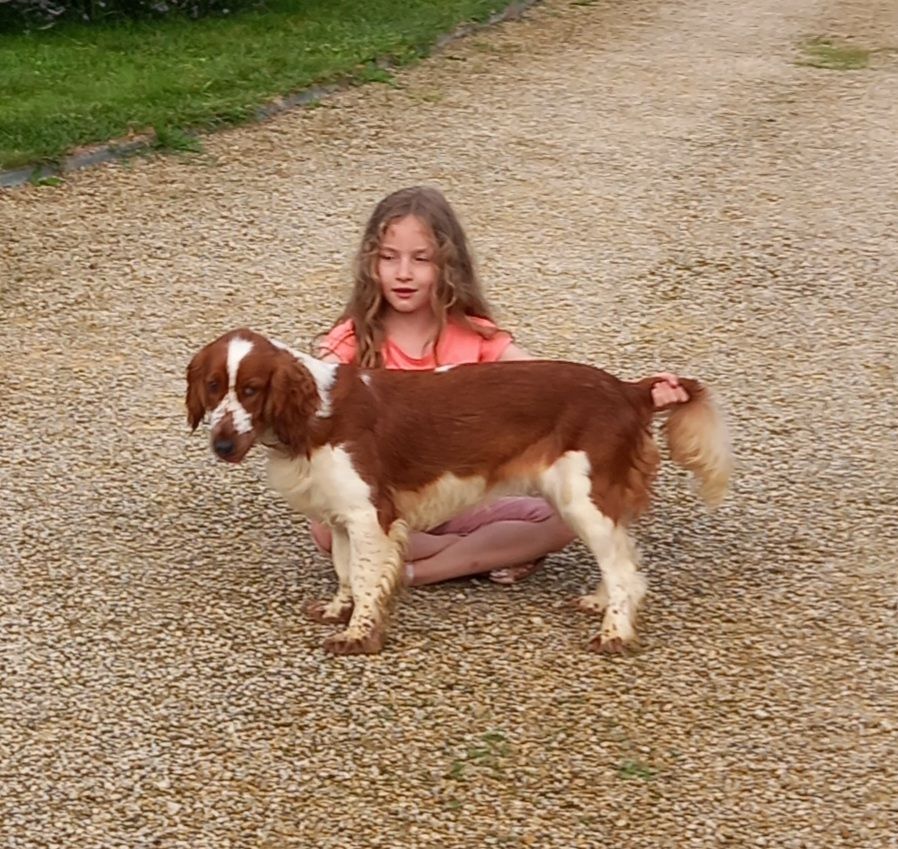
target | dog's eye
x=249, y=391
x=212, y=386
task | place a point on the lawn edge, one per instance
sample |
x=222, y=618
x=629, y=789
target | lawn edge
x=117, y=149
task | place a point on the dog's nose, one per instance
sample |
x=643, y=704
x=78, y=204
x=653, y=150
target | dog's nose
x=223, y=447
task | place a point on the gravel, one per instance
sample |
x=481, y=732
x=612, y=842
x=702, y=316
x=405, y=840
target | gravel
x=649, y=184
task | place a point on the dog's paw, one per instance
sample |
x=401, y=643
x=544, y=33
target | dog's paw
x=329, y=612
x=617, y=634
x=353, y=641
x=603, y=645
x=594, y=604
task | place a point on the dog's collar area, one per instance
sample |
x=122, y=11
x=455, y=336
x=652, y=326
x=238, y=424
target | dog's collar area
x=271, y=442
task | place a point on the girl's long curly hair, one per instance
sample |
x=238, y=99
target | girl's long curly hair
x=456, y=297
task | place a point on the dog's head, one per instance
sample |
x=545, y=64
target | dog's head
x=249, y=386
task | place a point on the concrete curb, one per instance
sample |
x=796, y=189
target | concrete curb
x=114, y=151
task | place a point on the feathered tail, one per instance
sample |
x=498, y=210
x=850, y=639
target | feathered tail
x=698, y=440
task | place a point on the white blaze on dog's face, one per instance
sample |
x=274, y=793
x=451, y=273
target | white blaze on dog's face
x=237, y=416
x=238, y=348
x=238, y=380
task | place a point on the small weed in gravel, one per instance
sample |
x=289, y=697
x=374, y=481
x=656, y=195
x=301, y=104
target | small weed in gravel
x=834, y=56
x=631, y=769
x=51, y=181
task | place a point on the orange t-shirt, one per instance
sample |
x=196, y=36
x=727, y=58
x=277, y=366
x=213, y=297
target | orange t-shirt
x=457, y=344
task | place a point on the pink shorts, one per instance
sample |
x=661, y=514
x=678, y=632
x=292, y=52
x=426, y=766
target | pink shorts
x=513, y=509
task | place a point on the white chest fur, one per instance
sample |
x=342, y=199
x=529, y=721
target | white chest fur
x=325, y=486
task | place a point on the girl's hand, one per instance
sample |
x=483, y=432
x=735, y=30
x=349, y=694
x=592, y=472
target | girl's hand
x=668, y=391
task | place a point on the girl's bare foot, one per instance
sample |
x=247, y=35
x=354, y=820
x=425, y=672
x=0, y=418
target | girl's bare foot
x=514, y=574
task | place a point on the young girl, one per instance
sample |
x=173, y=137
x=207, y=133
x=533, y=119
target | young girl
x=417, y=304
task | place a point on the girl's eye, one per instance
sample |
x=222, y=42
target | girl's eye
x=422, y=258
x=386, y=257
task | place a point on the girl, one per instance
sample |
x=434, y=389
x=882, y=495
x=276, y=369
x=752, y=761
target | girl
x=417, y=304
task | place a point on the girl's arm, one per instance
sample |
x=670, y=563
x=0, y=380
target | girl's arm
x=514, y=352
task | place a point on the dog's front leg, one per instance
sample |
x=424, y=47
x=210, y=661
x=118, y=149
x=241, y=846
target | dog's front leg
x=375, y=568
x=337, y=610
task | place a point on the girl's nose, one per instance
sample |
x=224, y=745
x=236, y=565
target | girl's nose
x=404, y=271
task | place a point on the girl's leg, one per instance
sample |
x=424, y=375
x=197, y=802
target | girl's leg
x=492, y=546
x=420, y=545
x=510, y=536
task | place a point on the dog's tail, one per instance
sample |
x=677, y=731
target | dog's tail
x=698, y=440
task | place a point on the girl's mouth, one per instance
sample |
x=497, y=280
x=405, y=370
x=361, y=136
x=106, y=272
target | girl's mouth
x=404, y=293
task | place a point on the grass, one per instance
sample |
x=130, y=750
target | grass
x=834, y=56
x=633, y=769
x=80, y=85
x=487, y=754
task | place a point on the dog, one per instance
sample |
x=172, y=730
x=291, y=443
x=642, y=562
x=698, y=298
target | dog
x=376, y=453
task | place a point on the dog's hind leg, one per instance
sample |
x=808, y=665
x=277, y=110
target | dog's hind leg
x=569, y=485
x=375, y=568
x=621, y=588
x=337, y=610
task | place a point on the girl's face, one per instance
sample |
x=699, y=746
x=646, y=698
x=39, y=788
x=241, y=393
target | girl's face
x=406, y=265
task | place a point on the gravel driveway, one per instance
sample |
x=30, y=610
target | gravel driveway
x=658, y=183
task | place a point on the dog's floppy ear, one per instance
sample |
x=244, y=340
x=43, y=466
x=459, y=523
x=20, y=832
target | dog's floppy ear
x=196, y=377
x=291, y=402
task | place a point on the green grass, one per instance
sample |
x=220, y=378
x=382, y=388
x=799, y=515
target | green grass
x=834, y=56
x=79, y=85
x=488, y=754
x=631, y=769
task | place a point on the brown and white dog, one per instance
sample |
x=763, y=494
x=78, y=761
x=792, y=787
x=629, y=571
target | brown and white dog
x=374, y=454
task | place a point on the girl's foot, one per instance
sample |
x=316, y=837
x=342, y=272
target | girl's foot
x=514, y=574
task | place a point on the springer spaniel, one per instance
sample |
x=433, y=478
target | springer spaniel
x=374, y=454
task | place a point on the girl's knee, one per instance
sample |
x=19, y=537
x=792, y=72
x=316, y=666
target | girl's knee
x=561, y=533
x=321, y=535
